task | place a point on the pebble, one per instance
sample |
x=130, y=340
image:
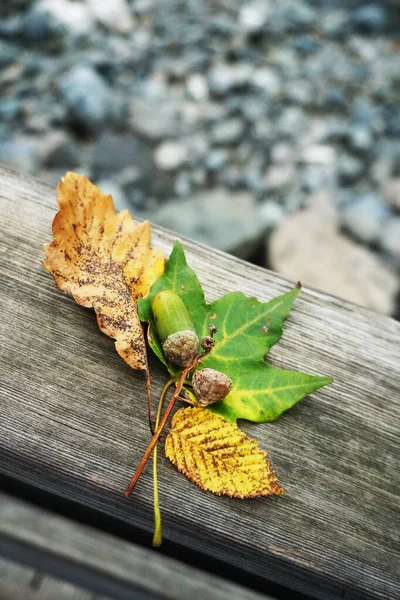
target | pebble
x=170, y=155
x=223, y=77
x=143, y=121
x=308, y=246
x=350, y=168
x=364, y=218
x=87, y=96
x=114, y=15
x=216, y=159
x=197, y=87
x=227, y=220
x=267, y=80
x=390, y=240
x=391, y=192
x=254, y=15
x=108, y=186
x=370, y=18
x=228, y=132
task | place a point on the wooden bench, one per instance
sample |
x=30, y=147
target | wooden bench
x=73, y=426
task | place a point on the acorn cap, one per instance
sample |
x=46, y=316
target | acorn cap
x=210, y=386
x=182, y=347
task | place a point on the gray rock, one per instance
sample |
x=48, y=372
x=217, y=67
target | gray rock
x=370, y=18
x=112, y=14
x=197, y=87
x=364, y=218
x=390, y=240
x=350, y=168
x=19, y=152
x=216, y=159
x=224, y=77
x=266, y=80
x=308, y=246
x=170, y=155
x=391, y=192
x=361, y=139
x=219, y=218
x=58, y=150
x=87, y=96
x=116, y=153
x=108, y=186
x=228, y=132
x=155, y=119
x=10, y=108
x=280, y=177
x=254, y=15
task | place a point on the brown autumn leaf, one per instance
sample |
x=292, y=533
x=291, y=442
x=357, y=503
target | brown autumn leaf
x=216, y=455
x=104, y=260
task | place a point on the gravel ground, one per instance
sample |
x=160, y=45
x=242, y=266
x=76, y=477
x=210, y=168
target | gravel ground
x=217, y=119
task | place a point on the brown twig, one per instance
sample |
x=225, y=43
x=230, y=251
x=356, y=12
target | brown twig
x=159, y=429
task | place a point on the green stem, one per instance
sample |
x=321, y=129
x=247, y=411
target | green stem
x=157, y=536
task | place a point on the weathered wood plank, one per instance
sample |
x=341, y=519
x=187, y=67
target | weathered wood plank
x=128, y=570
x=73, y=420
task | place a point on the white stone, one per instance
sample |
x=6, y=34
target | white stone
x=197, y=87
x=254, y=15
x=321, y=155
x=76, y=18
x=112, y=14
x=391, y=238
x=391, y=192
x=169, y=156
x=280, y=177
x=304, y=248
x=108, y=186
x=267, y=80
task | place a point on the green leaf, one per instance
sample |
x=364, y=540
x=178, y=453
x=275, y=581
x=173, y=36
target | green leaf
x=247, y=329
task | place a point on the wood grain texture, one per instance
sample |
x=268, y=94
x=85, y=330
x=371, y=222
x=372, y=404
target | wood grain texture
x=136, y=572
x=73, y=420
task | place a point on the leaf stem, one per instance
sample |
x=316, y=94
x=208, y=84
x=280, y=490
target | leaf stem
x=148, y=392
x=157, y=535
x=159, y=429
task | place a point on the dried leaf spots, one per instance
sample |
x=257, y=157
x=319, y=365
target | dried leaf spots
x=104, y=260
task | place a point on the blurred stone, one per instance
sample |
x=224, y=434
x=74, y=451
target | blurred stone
x=216, y=217
x=87, y=96
x=391, y=192
x=283, y=153
x=323, y=155
x=266, y=80
x=197, y=87
x=122, y=155
x=57, y=149
x=169, y=156
x=254, y=15
x=364, y=218
x=390, y=240
x=370, y=18
x=308, y=247
x=350, y=168
x=216, y=159
x=20, y=153
x=112, y=14
x=280, y=177
x=155, y=119
x=108, y=186
x=228, y=132
x=224, y=77
x=49, y=17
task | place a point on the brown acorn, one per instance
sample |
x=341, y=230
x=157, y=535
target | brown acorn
x=210, y=386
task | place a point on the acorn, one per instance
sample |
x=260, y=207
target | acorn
x=210, y=386
x=175, y=328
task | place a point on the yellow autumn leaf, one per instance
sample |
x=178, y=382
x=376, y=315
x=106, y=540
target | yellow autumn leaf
x=217, y=456
x=104, y=260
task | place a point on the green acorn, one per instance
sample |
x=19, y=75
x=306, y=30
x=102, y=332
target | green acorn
x=175, y=328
